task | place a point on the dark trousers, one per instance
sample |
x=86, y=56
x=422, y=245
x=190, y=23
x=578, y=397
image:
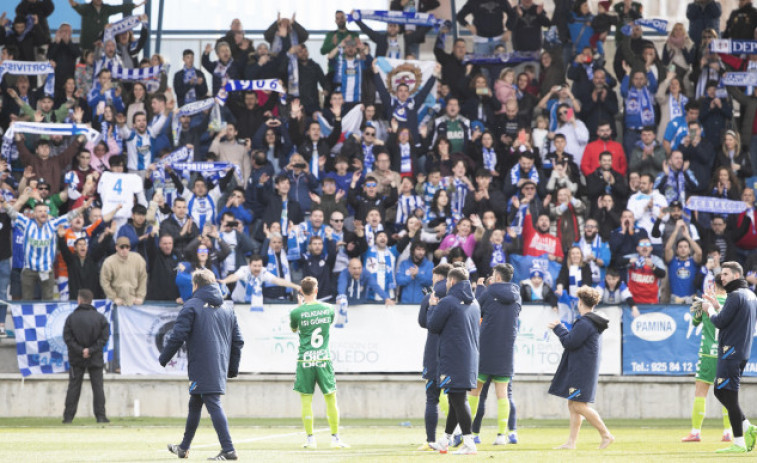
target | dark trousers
x=75, y=378
x=431, y=417
x=459, y=412
x=217, y=416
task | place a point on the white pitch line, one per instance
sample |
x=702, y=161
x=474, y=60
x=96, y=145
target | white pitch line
x=258, y=439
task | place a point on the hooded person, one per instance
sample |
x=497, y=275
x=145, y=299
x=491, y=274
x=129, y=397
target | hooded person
x=455, y=318
x=214, y=348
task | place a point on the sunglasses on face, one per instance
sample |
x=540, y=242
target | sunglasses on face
x=337, y=220
x=202, y=251
x=562, y=113
x=124, y=246
x=43, y=188
x=371, y=184
x=645, y=245
x=370, y=134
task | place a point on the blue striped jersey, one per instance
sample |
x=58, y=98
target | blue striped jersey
x=40, y=242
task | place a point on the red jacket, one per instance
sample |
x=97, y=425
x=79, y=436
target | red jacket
x=590, y=161
x=537, y=244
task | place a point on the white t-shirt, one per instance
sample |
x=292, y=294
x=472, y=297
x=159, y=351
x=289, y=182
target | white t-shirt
x=230, y=263
x=118, y=188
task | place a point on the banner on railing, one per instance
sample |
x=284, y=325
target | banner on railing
x=538, y=350
x=40, y=347
x=142, y=333
x=663, y=341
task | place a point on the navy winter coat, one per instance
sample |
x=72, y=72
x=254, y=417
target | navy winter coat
x=500, y=306
x=456, y=320
x=214, y=342
x=431, y=351
x=736, y=322
x=577, y=375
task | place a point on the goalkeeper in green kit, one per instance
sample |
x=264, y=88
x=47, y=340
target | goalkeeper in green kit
x=313, y=320
x=706, y=367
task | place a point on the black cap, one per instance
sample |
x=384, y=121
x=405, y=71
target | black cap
x=527, y=182
x=675, y=203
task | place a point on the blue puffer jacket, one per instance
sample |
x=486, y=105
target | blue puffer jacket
x=431, y=351
x=456, y=320
x=500, y=307
x=736, y=322
x=214, y=342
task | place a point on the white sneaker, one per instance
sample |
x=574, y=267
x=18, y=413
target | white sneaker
x=337, y=443
x=310, y=443
x=501, y=440
x=468, y=447
x=442, y=445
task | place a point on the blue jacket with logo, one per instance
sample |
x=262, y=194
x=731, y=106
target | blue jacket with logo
x=456, y=320
x=214, y=342
x=577, y=375
x=500, y=307
x=736, y=322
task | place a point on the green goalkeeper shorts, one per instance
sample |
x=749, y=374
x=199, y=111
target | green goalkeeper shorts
x=482, y=378
x=707, y=369
x=310, y=373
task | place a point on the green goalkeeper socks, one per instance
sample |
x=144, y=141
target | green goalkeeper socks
x=697, y=414
x=307, y=413
x=473, y=401
x=443, y=403
x=332, y=412
x=727, y=420
x=503, y=413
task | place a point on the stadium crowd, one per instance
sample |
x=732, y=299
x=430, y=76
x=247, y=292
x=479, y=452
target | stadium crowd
x=364, y=181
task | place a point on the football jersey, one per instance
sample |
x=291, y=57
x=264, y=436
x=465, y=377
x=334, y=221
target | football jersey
x=643, y=283
x=708, y=346
x=313, y=321
x=682, y=274
x=118, y=188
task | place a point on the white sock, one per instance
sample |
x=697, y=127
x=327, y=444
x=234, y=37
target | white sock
x=746, y=425
x=468, y=440
x=739, y=441
x=695, y=431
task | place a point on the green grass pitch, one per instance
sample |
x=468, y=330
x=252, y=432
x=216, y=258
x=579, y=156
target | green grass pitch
x=269, y=440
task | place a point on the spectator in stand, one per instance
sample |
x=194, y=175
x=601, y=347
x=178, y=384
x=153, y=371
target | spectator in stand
x=616, y=292
x=180, y=226
x=647, y=204
x=678, y=52
x=526, y=25
x=83, y=264
x=537, y=240
x=138, y=231
x=703, y=15
x=162, y=262
x=682, y=265
x=574, y=273
x=638, y=92
x=676, y=182
x=624, y=240
x=748, y=241
x=715, y=113
x=748, y=104
x=732, y=157
x=335, y=37
x=741, y=22
x=595, y=250
x=717, y=237
x=355, y=283
x=414, y=275
x=249, y=281
x=189, y=83
x=671, y=227
x=222, y=70
x=124, y=275
x=487, y=27
x=95, y=16
x=645, y=271
x=648, y=154
x=63, y=51
x=44, y=165
x=672, y=100
x=536, y=290
x=599, y=102
x=453, y=68
x=317, y=263
x=523, y=172
x=606, y=215
x=249, y=116
x=604, y=143
x=678, y=128
x=575, y=132
x=235, y=206
x=606, y=180
x=697, y=151
x=568, y=213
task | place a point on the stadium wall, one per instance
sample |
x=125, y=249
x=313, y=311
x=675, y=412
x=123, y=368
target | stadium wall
x=360, y=396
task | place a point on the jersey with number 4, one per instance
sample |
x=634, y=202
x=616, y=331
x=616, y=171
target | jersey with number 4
x=118, y=188
x=313, y=321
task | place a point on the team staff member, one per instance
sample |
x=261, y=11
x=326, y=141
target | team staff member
x=434, y=397
x=736, y=324
x=214, y=347
x=85, y=333
x=577, y=375
x=500, y=306
x=455, y=319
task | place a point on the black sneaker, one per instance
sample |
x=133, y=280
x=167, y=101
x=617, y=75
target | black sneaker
x=67, y=421
x=178, y=451
x=223, y=456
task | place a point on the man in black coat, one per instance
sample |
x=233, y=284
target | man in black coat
x=214, y=348
x=485, y=198
x=180, y=226
x=318, y=265
x=736, y=322
x=84, y=263
x=278, y=205
x=85, y=333
x=161, y=286
x=606, y=180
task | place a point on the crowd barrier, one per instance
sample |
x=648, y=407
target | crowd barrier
x=662, y=341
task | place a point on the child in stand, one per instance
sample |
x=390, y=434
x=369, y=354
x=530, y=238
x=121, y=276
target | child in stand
x=539, y=137
x=504, y=88
x=602, y=22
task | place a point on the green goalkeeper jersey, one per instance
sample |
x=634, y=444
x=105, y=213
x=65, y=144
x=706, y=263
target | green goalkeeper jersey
x=313, y=321
x=708, y=347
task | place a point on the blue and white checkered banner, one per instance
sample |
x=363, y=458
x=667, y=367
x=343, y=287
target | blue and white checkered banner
x=40, y=348
x=734, y=47
x=396, y=17
x=739, y=79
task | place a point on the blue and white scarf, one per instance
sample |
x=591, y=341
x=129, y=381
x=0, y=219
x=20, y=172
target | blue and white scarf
x=306, y=231
x=490, y=159
x=28, y=26
x=734, y=47
x=430, y=190
x=639, y=101
x=273, y=269
x=397, y=17
x=406, y=159
x=383, y=268
x=401, y=109
x=137, y=74
x=498, y=255
x=368, y=158
x=31, y=68
x=284, y=220
x=458, y=198
x=254, y=292
x=659, y=25
x=294, y=253
x=370, y=233
x=715, y=205
x=574, y=279
x=293, y=68
x=677, y=107
x=43, y=128
x=119, y=27
x=594, y=248
x=739, y=79
x=195, y=107
x=271, y=85
x=209, y=170
x=515, y=175
x=406, y=206
x=675, y=189
x=191, y=95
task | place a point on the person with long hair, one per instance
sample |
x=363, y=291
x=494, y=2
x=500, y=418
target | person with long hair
x=461, y=237
x=578, y=373
x=438, y=221
x=670, y=96
x=678, y=53
x=733, y=157
x=574, y=273
x=551, y=73
x=137, y=102
x=725, y=184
